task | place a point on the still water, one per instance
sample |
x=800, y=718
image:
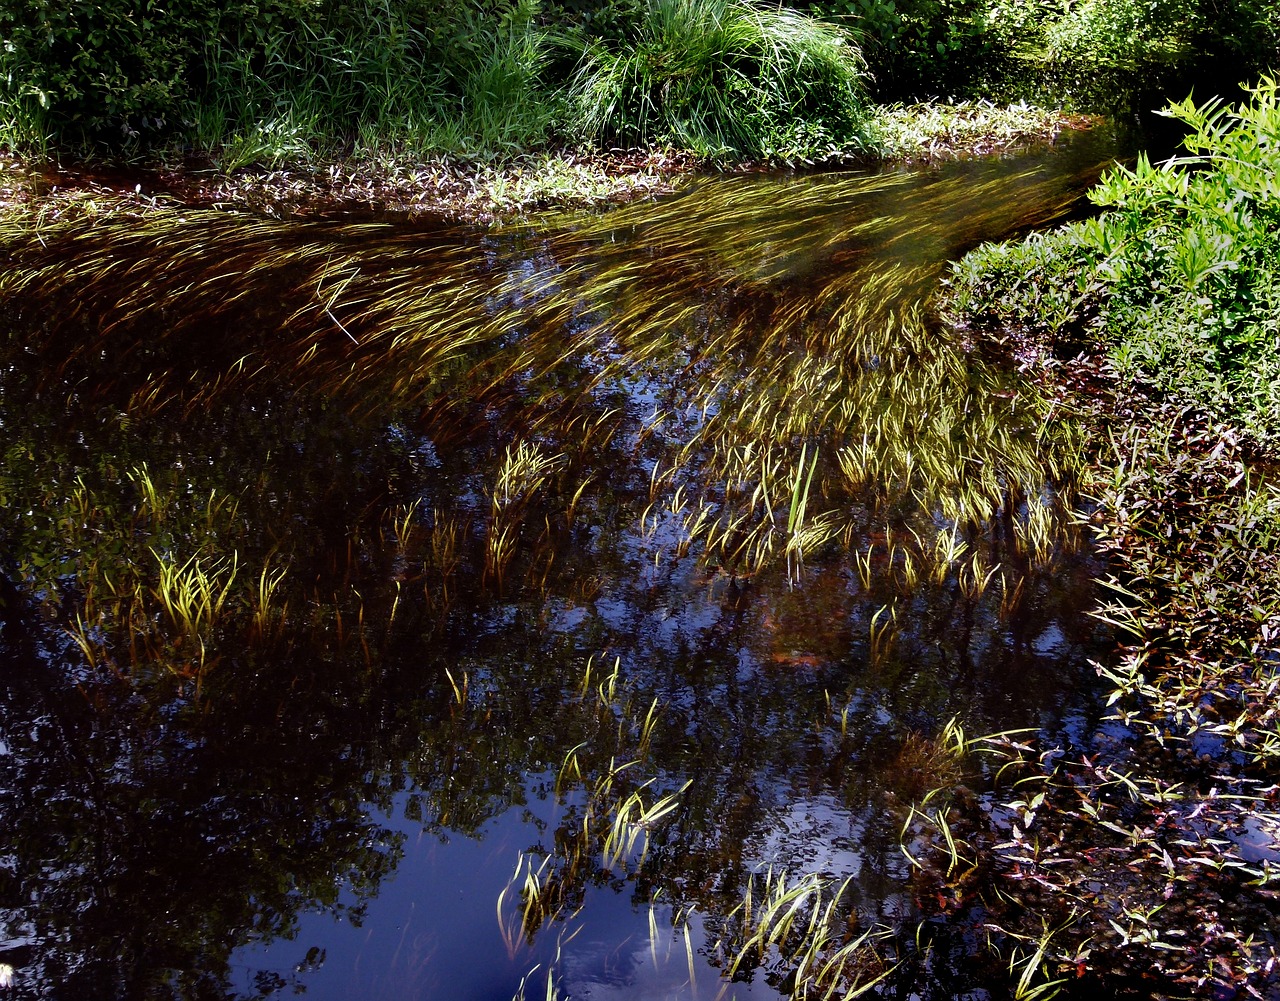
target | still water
x=409, y=612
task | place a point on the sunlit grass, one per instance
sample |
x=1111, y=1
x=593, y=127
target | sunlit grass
x=815, y=409
x=932, y=130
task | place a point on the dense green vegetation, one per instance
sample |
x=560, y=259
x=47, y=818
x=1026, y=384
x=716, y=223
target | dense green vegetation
x=286, y=80
x=1179, y=279
x=722, y=74
x=1177, y=282
x=1098, y=53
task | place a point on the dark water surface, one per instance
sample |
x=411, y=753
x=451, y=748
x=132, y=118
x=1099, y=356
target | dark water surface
x=416, y=613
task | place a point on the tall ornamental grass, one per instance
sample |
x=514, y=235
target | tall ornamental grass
x=723, y=76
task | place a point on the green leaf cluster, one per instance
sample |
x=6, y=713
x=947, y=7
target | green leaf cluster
x=1179, y=277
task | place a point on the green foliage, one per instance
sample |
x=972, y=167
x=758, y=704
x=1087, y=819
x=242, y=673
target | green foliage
x=1091, y=54
x=1102, y=53
x=1122, y=31
x=1179, y=278
x=723, y=75
x=916, y=48
x=90, y=66
x=273, y=79
x=612, y=21
x=460, y=79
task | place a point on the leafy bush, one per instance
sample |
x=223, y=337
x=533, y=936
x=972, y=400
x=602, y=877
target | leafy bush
x=723, y=76
x=1179, y=279
x=1098, y=54
x=87, y=67
x=1104, y=54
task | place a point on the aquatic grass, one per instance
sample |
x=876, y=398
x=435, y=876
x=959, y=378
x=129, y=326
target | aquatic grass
x=882, y=633
x=632, y=823
x=1174, y=281
x=512, y=376
x=536, y=907
x=872, y=393
x=193, y=593
x=1031, y=968
x=268, y=609
x=1158, y=812
x=818, y=408
x=802, y=926
x=607, y=815
x=523, y=471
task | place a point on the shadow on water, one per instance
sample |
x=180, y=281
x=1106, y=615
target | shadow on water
x=391, y=612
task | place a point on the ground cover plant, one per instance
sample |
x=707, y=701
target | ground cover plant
x=1172, y=804
x=1178, y=280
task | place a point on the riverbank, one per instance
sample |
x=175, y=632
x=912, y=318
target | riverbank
x=451, y=189
x=1143, y=853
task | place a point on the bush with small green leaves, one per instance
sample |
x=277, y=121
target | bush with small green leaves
x=1179, y=278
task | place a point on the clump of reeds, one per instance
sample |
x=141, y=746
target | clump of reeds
x=723, y=76
x=610, y=816
x=803, y=926
x=147, y=572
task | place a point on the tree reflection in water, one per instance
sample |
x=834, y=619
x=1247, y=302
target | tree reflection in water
x=434, y=486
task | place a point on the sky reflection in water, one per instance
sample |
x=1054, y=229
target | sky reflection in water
x=482, y=471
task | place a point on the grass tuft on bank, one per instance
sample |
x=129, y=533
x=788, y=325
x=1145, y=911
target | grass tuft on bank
x=720, y=77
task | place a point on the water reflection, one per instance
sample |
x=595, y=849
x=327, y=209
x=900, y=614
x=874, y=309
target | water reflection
x=348, y=567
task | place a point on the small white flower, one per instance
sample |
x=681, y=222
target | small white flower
x=6, y=976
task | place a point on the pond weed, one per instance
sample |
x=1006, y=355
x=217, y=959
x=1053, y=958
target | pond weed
x=561, y=411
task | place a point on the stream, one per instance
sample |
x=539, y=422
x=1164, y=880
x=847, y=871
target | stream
x=392, y=610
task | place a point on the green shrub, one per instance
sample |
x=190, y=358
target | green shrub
x=1104, y=54
x=722, y=76
x=1097, y=54
x=86, y=68
x=1179, y=278
x=918, y=48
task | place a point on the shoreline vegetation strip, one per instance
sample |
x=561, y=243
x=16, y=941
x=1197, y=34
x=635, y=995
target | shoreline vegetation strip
x=426, y=186
x=1147, y=854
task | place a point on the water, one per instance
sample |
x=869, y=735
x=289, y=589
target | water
x=364, y=585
